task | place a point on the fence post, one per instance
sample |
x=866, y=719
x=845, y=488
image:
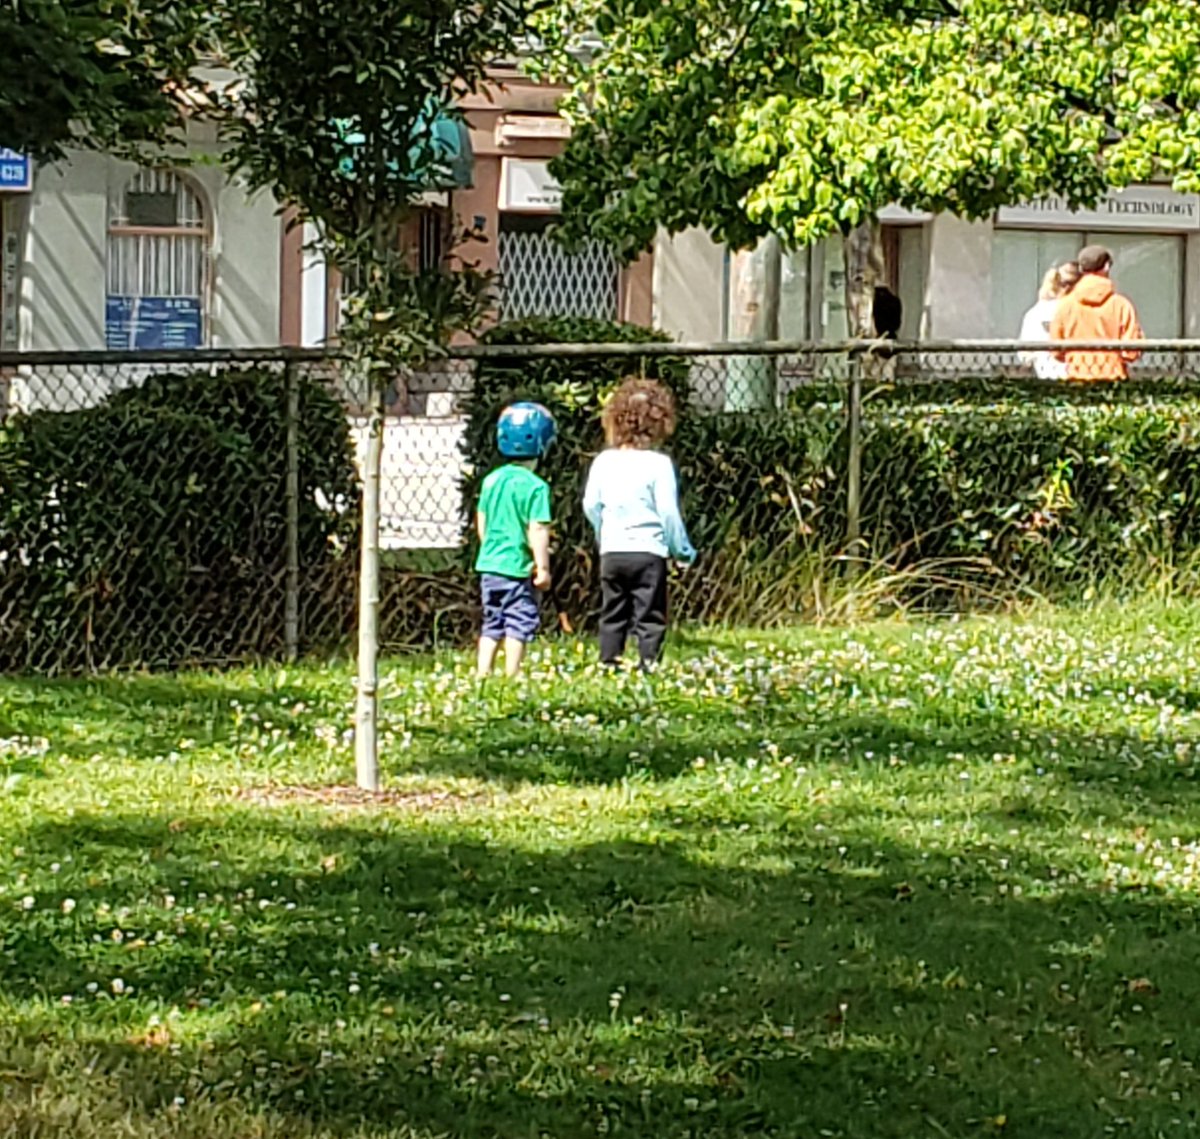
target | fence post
x=366, y=742
x=854, y=456
x=291, y=493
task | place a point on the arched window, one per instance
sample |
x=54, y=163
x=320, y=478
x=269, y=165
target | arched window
x=158, y=246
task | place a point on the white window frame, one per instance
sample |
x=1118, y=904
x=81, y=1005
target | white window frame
x=162, y=261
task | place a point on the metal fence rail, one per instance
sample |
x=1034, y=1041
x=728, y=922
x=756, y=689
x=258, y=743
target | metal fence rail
x=160, y=508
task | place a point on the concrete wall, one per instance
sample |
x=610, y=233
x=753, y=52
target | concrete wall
x=246, y=265
x=946, y=279
x=62, y=269
x=689, y=286
x=63, y=264
x=958, y=279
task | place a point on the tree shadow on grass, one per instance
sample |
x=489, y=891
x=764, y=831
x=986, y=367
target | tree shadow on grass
x=705, y=982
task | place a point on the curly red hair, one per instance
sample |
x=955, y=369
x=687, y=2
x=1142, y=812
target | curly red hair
x=640, y=414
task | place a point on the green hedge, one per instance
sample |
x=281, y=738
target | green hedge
x=1060, y=489
x=973, y=492
x=150, y=529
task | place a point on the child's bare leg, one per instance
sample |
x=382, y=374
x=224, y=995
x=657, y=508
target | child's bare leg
x=488, y=647
x=514, y=654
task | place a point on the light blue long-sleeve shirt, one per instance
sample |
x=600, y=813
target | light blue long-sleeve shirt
x=632, y=502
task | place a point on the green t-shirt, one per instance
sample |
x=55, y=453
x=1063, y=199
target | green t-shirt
x=512, y=497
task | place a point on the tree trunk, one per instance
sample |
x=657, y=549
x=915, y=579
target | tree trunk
x=863, y=251
x=771, y=251
x=757, y=273
x=366, y=743
x=369, y=356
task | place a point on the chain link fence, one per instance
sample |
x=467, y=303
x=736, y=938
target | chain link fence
x=162, y=510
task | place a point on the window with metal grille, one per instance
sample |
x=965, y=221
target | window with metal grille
x=431, y=243
x=538, y=277
x=158, y=255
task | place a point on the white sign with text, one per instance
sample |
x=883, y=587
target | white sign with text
x=526, y=186
x=1138, y=207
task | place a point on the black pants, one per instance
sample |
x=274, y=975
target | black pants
x=633, y=599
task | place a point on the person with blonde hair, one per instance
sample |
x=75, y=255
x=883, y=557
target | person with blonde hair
x=1035, y=328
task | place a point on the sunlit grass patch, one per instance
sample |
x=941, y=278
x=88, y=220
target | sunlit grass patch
x=891, y=880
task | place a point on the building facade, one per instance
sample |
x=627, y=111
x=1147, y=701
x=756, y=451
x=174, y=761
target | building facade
x=515, y=131
x=510, y=210
x=100, y=253
x=956, y=279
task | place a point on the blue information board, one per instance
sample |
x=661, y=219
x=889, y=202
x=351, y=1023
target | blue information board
x=16, y=171
x=153, y=322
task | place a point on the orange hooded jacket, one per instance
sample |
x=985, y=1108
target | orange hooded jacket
x=1094, y=310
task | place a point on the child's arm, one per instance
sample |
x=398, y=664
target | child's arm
x=539, y=544
x=592, y=508
x=666, y=502
x=480, y=525
x=537, y=534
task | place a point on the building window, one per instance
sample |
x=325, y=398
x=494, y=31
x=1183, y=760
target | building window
x=1149, y=270
x=1147, y=267
x=538, y=277
x=158, y=264
x=433, y=231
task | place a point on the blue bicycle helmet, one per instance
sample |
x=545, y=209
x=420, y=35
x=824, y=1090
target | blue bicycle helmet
x=525, y=431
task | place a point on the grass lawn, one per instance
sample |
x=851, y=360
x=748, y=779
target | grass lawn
x=934, y=881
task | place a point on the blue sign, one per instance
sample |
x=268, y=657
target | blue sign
x=16, y=171
x=165, y=323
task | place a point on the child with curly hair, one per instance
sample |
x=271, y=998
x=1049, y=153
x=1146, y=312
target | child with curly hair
x=632, y=503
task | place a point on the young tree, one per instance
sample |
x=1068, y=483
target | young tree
x=344, y=116
x=804, y=118
x=101, y=74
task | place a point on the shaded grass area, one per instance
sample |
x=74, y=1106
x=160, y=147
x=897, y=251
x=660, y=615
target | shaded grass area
x=895, y=881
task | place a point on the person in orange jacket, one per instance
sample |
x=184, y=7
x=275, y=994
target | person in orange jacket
x=1094, y=310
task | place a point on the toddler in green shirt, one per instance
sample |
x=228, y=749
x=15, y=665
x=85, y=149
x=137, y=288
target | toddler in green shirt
x=513, y=522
